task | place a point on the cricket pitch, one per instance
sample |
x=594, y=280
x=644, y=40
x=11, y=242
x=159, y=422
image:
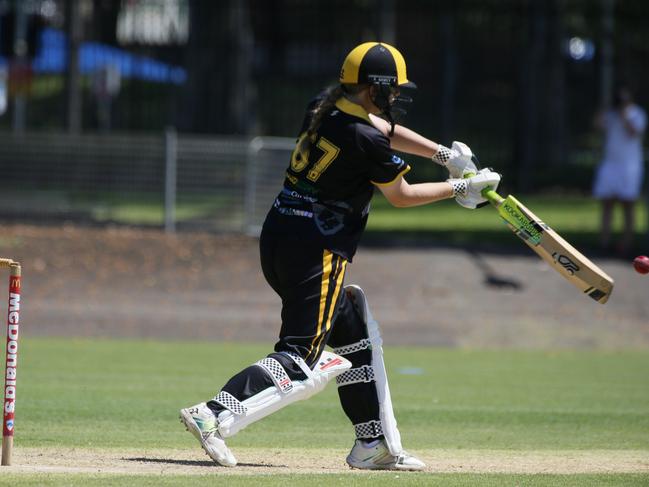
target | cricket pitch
x=254, y=461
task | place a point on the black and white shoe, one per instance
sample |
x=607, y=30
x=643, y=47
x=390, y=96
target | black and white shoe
x=201, y=422
x=374, y=455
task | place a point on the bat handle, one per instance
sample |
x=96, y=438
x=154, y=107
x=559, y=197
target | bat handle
x=493, y=197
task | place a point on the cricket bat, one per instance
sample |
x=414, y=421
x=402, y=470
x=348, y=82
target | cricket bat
x=553, y=249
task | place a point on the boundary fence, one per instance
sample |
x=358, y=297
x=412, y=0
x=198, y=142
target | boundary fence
x=174, y=180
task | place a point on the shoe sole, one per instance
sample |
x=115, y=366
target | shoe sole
x=395, y=467
x=399, y=468
x=192, y=427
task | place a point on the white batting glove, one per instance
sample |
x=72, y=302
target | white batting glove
x=468, y=191
x=457, y=159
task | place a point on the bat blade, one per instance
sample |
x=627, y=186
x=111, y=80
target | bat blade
x=552, y=248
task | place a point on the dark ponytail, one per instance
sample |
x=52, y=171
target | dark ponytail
x=322, y=108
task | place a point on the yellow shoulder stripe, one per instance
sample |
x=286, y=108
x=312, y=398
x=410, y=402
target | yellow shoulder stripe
x=351, y=108
x=395, y=178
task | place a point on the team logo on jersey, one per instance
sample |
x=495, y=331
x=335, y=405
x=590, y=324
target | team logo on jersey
x=397, y=160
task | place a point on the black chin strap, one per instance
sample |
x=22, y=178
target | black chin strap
x=388, y=110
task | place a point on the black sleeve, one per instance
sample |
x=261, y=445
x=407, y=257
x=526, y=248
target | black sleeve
x=384, y=166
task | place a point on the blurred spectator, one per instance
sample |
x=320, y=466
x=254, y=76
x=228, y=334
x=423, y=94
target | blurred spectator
x=620, y=174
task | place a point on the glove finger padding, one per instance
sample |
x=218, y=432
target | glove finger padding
x=470, y=195
x=459, y=167
x=462, y=149
x=462, y=163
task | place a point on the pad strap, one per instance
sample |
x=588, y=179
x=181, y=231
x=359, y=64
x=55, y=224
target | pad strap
x=354, y=376
x=277, y=372
x=229, y=402
x=371, y=429
x=353, y=347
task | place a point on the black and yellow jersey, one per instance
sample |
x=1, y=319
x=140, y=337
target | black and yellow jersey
x=333, y=182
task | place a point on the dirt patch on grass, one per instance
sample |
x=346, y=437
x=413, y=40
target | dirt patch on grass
x=136, y=283
x=287, y=461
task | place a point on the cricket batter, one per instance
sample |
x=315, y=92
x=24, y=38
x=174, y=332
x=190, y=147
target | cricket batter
x=344, y=151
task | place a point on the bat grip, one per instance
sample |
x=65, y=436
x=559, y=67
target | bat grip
x=493, y=197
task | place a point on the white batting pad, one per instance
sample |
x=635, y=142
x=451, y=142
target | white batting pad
x=241, y=414
x=386, y=414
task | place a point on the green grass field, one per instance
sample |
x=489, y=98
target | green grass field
x=570, y=213
x=575, y=217
x=124, y=395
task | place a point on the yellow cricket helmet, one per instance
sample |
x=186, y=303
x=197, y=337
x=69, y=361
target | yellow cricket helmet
x=375, y=63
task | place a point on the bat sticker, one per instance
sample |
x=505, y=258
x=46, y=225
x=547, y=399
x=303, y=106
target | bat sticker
x=566, y=263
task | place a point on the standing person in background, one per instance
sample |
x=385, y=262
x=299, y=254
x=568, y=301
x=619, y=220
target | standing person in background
x=620, y=174
x=344, y=151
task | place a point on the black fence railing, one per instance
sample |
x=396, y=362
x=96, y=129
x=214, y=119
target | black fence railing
x=519, y=80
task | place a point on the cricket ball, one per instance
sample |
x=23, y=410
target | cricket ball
x=641, y=264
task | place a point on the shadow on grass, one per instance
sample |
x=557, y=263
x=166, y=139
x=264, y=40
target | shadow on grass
x=196, y=463
x=491, y=278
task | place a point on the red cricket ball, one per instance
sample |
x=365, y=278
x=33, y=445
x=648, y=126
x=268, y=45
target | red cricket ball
x=641, y=264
